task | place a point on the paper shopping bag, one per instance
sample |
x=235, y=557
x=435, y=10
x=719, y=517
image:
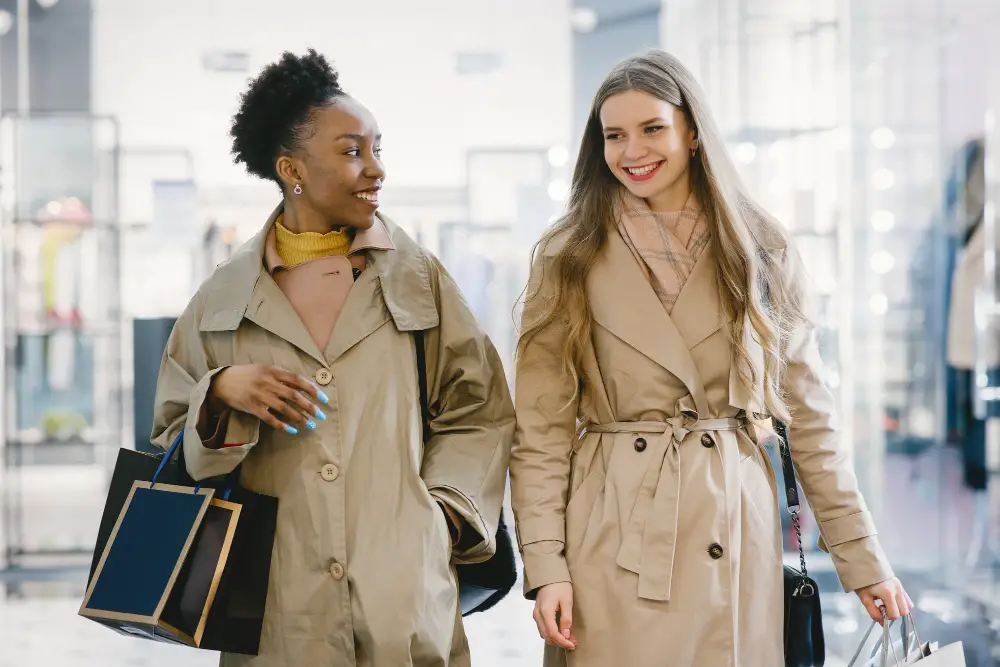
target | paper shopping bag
x=217, y=599
x=142, y=562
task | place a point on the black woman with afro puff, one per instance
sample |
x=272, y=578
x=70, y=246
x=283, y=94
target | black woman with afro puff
x=297, y=362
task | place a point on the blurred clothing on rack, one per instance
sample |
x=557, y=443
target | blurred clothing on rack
x=38, y=399
x=966, y=218
x=965, y=348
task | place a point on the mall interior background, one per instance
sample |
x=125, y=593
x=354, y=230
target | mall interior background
x=864, y=125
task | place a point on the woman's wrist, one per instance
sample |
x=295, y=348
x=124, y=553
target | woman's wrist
x=214, y=403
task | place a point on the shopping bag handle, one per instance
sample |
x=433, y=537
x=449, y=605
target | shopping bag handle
x=884, y=645
x=231, y=478
x=166, y=457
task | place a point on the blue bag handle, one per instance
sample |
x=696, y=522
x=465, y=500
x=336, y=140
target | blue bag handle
x=231, y=478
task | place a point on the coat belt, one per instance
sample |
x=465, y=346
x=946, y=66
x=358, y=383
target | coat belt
x=650, y=542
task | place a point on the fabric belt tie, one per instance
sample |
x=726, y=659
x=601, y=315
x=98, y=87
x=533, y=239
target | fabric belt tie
x=650, y=542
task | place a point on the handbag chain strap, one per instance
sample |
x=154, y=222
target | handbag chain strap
x=791, y=489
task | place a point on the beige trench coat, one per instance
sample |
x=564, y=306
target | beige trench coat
x=361, y=571
x=662, y=513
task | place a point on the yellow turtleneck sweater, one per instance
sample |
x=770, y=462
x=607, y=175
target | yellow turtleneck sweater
x=298, y=248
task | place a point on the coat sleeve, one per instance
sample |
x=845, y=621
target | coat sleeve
x=471, y=421
x=825, y=467
x=214, y=442
x=546, y=430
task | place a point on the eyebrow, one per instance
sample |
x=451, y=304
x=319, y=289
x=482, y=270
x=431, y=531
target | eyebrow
x=642, y=124
x=357, y=137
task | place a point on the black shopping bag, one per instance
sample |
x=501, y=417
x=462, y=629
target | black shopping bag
x=483, y=585
x=179, y=562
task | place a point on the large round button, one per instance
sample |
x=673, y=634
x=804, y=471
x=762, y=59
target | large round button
x=337, y=571
x=330, y=472
x=706, y=441
x=639, y=444
x=324, y=376
x=716, y=551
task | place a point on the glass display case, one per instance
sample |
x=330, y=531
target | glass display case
x=845, y=120
x=62, y=390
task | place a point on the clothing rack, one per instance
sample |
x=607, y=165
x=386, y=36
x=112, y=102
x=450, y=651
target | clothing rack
x=984, y=550
x=61, y=389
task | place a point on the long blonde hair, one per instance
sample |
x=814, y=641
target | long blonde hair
x=741, y=232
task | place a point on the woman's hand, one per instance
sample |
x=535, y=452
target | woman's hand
x=897, y=603
x=554, y=614
x=277, y=397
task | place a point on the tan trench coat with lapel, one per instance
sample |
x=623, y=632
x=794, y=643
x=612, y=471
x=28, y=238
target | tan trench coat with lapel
x=361, y=571
x=663, y=513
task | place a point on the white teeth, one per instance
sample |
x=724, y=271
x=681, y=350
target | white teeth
x=639, y=171
x=367, y=196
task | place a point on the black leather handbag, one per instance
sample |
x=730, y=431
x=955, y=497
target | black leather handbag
x=480, y=585
x=803, y=622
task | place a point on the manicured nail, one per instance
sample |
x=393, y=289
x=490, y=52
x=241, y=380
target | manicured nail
x=311, y=424
x=322, y=396
x=320, y=416
x=291, y=430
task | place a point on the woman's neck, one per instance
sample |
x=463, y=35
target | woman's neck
x=673, y=198
x=298, y=219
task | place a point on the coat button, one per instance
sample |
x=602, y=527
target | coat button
x=715, y=551
x=330, y=472
x=640, y=444
x=706, y=441
x=324, y=377
x=337, y=571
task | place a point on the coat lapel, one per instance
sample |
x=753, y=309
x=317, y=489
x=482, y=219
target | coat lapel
x=362, y=314
x=396, y=286
x=698, y=310
x=739, y=397
x=270, y=309
x=623, y=302
x=242, y=288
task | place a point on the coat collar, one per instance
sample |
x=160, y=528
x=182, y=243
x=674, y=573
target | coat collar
x=640, y=320
x=375, y=238
x=242, y=287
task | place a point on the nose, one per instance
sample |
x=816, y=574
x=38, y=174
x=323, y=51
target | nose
x=634, y=149
x=374, y=169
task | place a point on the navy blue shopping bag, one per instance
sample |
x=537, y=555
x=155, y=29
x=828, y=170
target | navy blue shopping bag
x=181, y=562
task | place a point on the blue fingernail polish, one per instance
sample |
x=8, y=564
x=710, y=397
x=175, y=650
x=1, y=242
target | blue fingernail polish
x=320, y=416
x=323, y=397
x=311, y=424
x=291, y=430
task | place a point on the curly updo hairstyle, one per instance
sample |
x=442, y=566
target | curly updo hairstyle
x=276, y=110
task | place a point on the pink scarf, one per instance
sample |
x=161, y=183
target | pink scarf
x=666, y=245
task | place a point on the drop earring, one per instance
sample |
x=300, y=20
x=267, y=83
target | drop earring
x=298, y=187
x=694, y=148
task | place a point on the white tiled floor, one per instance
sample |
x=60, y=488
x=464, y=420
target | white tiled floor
x=47, y=632
x=43, y=629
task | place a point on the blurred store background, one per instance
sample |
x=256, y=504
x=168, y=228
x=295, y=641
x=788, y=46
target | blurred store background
x=867, y=126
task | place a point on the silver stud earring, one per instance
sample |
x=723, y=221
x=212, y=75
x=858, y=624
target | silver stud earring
x=298, y=188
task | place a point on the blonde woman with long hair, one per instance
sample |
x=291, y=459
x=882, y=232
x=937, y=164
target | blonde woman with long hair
x=664, y=311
